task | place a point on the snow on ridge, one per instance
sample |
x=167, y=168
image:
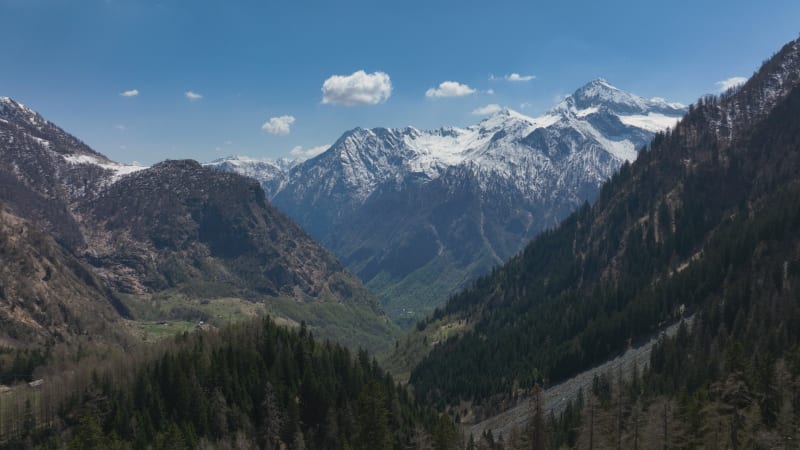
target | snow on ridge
x=665, y=102
x=43, y=142
x=239, y=160
x=653, y=122
x=9, y=105
x=435, y=150
x=119, y=170
x=252, y=165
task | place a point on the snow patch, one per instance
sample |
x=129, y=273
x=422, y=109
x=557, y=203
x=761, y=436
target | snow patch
x=651, y=121
x=585, y=112
x=119, y=170
x=43, y=142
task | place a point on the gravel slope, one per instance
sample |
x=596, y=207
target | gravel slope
x=556, y=397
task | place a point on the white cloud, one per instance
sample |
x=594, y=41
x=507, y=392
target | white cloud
x=487, y=110
x=525, y=105
x=129, y=93
x=311, y=152
x=490, y=92
x=517, y=77
x=726, y=84
x=358, y=89
x=449, y=89
x=279, y=126
x=192, y=96
x=120, y=127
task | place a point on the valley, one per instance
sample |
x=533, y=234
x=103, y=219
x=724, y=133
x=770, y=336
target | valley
x=538, y=262
x=456, y=202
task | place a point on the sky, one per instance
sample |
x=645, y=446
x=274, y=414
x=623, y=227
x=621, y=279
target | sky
x=142, y=81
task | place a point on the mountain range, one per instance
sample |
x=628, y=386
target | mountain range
x=686, y=265
x=99, y=243
x=418, y=214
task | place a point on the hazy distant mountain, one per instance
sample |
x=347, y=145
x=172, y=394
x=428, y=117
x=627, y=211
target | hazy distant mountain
x=418, y=214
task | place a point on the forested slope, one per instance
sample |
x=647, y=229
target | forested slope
x=678, y=227
x=246, y=385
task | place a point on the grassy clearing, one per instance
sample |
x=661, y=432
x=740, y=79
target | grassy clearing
x=416, y=344
x=166, y=314
x=352, y=325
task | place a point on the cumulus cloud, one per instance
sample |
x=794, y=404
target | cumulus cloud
x=311, y=152
x=192, y=96
x=129, y=93
x=449, y=89
x=279, y=126
x=357, y=89
x=517, y=77
x=487, y=110
x=726, y=84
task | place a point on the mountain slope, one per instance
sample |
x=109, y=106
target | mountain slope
x=178, y=220
x=45, y=171
x=418, y=214
x=668, y=232
x=46, y=294
x=174, y=236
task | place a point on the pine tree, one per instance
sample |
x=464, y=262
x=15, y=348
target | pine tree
x=271, y=420
x=373, y=424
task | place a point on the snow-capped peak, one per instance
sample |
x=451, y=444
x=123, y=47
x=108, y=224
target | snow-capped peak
x=599, y=88
x=507, y=145
x=505, y=117
x=12, y=110
x=599, y=93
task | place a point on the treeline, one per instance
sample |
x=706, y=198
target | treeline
x=248, y=385
x=671, y=230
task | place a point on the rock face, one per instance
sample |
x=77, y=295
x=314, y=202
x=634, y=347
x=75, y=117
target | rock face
x=46, y=293
x=80, y=228
x=419, y=214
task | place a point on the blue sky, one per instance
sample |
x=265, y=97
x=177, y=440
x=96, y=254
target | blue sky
x=252, y=61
